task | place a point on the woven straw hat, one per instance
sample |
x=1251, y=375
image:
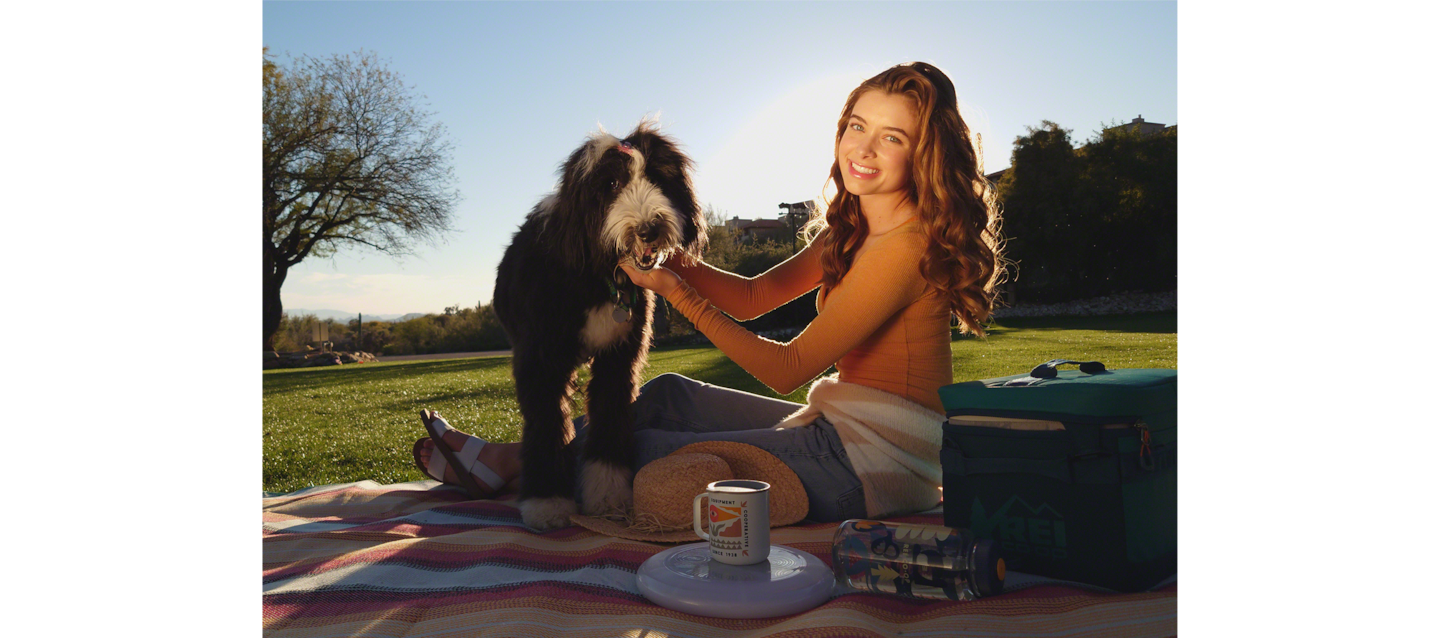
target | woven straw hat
x=665, y=489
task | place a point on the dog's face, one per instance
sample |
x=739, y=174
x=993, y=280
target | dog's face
x=633, y=197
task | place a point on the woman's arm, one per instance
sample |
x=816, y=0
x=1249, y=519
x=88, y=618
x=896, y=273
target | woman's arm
x=746, y=298
x=882, y=282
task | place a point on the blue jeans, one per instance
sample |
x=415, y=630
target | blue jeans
x=673, y=411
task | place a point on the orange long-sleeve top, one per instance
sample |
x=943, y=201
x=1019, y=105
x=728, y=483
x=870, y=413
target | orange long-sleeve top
x=882, y=326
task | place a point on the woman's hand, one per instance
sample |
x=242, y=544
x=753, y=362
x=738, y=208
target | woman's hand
x=659, y=279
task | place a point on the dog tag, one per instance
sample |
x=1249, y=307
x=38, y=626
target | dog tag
x=621, y=314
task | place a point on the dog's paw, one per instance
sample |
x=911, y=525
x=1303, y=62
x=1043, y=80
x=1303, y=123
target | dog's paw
x=605, y=489
x=545, y=514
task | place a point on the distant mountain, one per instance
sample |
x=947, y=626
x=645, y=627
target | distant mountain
x=342, y=316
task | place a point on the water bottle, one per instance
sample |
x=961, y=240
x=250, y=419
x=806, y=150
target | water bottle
x=923, y=561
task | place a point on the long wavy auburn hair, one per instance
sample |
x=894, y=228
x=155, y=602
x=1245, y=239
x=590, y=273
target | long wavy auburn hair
x=954, y=202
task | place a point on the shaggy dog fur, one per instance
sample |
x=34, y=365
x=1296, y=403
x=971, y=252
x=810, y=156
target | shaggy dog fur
x=563, y=302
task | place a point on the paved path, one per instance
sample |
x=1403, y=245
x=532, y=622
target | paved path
x=447, y=355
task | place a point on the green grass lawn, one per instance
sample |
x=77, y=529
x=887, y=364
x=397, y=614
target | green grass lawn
x=355, y=422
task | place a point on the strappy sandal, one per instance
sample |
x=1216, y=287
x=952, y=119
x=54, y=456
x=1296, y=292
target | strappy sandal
x=466, y=462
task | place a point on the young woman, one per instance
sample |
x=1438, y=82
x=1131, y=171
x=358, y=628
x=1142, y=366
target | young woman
x=910, y=239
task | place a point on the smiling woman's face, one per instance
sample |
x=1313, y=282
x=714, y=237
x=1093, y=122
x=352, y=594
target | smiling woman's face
x=874, y=152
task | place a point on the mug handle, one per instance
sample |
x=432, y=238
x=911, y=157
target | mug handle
x=696, y=516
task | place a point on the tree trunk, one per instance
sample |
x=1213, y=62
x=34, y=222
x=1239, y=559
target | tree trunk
x=273, y=309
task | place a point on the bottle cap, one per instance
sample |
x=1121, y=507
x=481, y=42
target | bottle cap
x=989, y=568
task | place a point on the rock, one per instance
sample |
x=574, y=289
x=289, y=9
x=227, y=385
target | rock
x=312, y=359
x=321, y=359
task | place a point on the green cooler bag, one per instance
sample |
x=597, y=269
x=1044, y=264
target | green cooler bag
x=1071, y=472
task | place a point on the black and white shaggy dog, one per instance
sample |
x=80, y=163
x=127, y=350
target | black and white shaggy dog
x=564, y=303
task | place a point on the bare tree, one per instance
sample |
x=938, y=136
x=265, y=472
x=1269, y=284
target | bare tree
x=349, y=160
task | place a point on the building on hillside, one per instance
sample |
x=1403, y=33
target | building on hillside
x=1139, y=124
x=792, y=219
x=751, y=230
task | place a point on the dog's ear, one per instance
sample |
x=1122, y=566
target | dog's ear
x=695, y=248
x=585, y=179
x=696, y=236
x=673, y=169
x=587, y=158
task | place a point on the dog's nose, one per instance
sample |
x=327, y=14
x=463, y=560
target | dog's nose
x=648, y=232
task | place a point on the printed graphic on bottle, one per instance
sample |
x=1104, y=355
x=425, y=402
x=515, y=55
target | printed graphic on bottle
x=911, y=560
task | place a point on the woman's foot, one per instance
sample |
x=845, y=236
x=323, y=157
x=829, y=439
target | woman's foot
x=495, y=465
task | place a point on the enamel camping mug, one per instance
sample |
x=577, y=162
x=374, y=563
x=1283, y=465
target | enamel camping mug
x=738, y=519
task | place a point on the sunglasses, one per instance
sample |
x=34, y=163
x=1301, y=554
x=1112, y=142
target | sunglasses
x=1047, y=370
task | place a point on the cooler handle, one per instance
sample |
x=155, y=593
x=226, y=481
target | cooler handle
x=1047, y=370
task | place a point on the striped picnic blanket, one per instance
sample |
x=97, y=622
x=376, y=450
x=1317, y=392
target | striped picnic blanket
x=417, y=559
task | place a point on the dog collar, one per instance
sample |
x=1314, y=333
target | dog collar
x=622, y=301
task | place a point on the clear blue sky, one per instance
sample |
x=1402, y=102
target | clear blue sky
x=751, y=90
